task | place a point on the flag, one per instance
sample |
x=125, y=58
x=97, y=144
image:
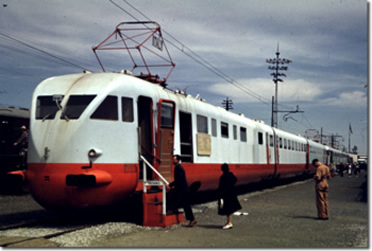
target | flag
x=350, y=130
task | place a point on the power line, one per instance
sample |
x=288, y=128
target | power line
x=42, y=51
x=194, y=56
x=191, y=54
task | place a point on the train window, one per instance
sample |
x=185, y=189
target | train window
x=76, y=105
x=202, y=123
x=167, y=115
x=235, y=131
x=285, y=143
x=243, y=134
x=214, y=127
x=224, y=130
x=280, y=142
x=47, y=106
x=289, y=145
x=271, y=140
x=127, y=109
x=260, y=138
x=107, y=110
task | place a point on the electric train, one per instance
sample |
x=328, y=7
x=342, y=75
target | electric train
x=89, y=131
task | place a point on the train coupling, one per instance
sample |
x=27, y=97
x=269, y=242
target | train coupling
x=91, y=178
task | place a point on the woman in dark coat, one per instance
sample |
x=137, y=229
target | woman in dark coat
x=228, y=195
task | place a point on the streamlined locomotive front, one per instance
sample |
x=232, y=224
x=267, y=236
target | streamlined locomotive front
x=81, y=146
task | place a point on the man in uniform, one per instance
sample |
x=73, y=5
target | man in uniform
x=321, y=178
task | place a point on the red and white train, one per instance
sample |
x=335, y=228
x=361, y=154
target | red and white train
x=88, y=131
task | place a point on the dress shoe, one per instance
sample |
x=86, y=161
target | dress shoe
x=191, y=224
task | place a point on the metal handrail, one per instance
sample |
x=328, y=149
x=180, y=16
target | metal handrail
x=163, y=182
x=155, y=171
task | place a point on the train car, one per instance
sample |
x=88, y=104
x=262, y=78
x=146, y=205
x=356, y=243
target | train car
x=336, y=156
x=317, y=151
x=90, y=130
x=12, y=156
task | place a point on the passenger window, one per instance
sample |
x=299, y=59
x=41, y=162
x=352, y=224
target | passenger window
x=285, y=143
x=127, y=109
x=260, y=138
x=47, y=107
x=280, y=142
x=214, y=128
x=235, y=131
x=76, y=105
x=243, y=134
x=224, y=130
x=202, y=123
x=108, y=109
x=167, y=115
x=271, y=140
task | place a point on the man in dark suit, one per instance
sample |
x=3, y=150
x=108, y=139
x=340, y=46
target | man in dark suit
x=182, y=190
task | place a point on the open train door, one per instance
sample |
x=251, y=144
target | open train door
x=165, y=137
x=145, y=134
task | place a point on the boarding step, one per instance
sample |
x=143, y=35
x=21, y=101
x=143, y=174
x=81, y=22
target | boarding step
x=153, y=213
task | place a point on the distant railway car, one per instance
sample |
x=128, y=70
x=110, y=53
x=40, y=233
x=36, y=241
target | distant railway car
x=12, y=156
x=89, y=131
x=336, y=156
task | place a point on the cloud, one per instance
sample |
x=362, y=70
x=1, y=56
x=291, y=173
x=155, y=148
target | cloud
x=288, y=91
x=353, y=99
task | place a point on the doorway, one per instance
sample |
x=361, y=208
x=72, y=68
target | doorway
x=145, y=129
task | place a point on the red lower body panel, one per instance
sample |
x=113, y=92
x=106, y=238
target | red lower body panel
x=83, y=186
x=72, y=186
x=207, y=176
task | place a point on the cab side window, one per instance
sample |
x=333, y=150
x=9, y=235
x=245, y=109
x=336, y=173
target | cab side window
x=107, y=110
x=127, y=109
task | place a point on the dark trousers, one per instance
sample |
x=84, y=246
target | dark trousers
x=186, y=205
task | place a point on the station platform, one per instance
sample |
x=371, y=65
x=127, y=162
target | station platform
x=279, y=217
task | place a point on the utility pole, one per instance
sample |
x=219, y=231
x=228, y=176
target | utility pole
x=334, y=140
x=350, y=132
x=276, y=74
x=227, y=103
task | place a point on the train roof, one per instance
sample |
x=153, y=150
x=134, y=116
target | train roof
x=10, y=111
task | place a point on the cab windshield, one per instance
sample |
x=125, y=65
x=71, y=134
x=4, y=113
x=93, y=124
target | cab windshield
x=76, y=105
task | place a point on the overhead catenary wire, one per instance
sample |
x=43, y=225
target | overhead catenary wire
x=175, y=43
x=194, y=56
x=200, y=60
x=42, y=51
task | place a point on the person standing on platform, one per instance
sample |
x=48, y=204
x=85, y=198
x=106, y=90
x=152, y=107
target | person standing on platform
x=182, y=190
x=228, y=195
x=321, y=178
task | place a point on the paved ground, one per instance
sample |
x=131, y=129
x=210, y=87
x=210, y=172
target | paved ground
x=281, y=217
x=284, y=217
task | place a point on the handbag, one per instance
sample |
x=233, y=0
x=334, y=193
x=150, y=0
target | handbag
x=220, y=207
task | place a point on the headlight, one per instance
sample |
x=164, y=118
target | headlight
x=94, y=153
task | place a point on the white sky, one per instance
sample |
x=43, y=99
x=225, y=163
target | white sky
x=326, y=40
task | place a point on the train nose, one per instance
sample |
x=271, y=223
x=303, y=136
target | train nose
x=91, y=178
